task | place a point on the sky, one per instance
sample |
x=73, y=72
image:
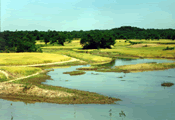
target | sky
x=69, y=15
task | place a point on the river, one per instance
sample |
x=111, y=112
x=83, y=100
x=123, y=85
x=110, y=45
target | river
x=143, y=97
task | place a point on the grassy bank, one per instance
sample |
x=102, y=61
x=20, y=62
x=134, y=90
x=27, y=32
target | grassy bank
x=31, y=91
x=131, y=68
x=30, y=58
x=146, y=67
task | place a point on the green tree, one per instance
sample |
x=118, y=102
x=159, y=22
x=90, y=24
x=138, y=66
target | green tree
x=46, y=39
x=61, y=38
x=173, y=37
x=97, y=39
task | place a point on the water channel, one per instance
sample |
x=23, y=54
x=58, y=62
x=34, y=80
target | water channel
x=143, y=97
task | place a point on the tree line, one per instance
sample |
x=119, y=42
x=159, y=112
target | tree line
x=24, y=41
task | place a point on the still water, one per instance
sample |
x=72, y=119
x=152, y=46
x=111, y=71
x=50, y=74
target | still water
x=143, y=96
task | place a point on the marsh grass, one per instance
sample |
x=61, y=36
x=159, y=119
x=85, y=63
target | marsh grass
x=167, y=84
x=131, y=68
x=75, y=73
x=146, y=67
x=30, y=58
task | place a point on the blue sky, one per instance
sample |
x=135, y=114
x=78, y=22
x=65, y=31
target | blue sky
x=69, y=15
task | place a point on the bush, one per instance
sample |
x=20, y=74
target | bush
x=96, y=40
x=169, y=48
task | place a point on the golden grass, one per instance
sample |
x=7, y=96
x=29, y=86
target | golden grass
x=153, y=41
x=40, y=43
x=123, y=48
x=30, y=58
x=74, y=44
x=22, y=71
x=84, y=56
x=147, y=52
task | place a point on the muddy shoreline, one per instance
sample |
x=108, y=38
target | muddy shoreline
x=30, y=90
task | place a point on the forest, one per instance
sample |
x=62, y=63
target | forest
x=24, y=41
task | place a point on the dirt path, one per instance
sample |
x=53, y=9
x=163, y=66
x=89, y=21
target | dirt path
x=23, y=77
x=6, y=74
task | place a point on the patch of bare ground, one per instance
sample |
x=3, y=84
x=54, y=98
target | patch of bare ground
x=20, y=89
x=31, y=94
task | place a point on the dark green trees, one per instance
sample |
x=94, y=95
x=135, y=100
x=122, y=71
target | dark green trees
x=61, y=38
x=58, y=38
x=97, y=39
x=19, y=42
x=46, y=39
x=2, y=42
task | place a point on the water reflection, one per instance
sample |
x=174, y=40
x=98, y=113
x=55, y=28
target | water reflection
x=110, y=113
x=74, y=111
x=11, y=111
x=122, y=114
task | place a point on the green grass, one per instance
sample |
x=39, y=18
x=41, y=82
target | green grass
x=74, y=44
x=15, y=72
x=2, y=77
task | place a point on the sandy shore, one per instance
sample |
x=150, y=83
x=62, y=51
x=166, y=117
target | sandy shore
x=20, y=89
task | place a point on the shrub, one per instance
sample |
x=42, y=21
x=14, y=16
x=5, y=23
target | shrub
x=169, y=48
x=96, y=40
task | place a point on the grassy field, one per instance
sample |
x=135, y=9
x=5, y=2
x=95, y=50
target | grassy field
x=121, y=49
x=30, y=58
x=147, y=49
x=82, y=56
x=74, y=44
x=15, y=72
